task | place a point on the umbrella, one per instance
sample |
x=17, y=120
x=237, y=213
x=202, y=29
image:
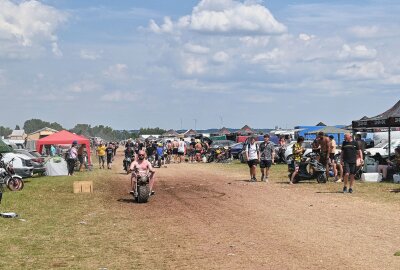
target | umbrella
x=4, y=148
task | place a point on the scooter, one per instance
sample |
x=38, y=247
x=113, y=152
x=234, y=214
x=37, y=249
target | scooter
x=319, y=171
x=8, y=177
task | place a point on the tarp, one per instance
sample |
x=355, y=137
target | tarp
x=329, y=130
x=218, y=138
x=56, y=167
x=63, y=137
x=4, y=148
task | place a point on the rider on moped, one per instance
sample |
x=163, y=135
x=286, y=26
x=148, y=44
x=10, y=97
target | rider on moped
x=142, y=167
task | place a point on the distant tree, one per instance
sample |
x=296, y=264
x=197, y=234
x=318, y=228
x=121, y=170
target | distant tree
x=17, y=127
x=151, y=131
x=5, y=131
x=36, y=124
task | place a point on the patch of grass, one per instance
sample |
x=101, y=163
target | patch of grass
x=397, y=253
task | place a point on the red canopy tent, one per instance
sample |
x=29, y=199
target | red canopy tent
x=63, y=137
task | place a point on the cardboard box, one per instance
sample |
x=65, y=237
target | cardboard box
x=83, y=186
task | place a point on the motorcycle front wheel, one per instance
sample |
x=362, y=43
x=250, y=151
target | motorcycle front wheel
x=15, y=184
x=143, y=194
x=321, y=178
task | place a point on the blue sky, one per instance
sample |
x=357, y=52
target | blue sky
x=132, y=64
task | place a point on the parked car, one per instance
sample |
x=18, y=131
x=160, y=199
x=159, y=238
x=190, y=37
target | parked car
x=236, y=149
x=383, y=148
x=37, y=162
x=22, y=164
x=222, y=143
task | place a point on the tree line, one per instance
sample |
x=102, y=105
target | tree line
x=105, y=132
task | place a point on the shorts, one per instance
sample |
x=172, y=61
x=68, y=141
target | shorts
x=252, y=162
x=265, y=164
x=175, y=151
x=332, y=157
x=80, y=158
x=323, y=158
x=109, y=159
x=349, y=168
x=101, y=159
x=181, y=153
x=293, y=166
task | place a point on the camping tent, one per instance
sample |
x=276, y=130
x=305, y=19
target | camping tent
x=170, y=133
x=246, y=130
x=387, y=119
x=224, y=131
x=63, y=137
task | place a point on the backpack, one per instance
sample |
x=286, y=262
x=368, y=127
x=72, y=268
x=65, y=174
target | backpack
x=247, y=147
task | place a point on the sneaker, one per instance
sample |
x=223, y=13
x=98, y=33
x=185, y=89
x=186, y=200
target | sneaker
x=344, y=189
x=339, y=180
x=266, y=179
x=350, y=190
x=152, y=193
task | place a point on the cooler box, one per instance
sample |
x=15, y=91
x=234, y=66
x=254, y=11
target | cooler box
x=396, y=178
x=371, y=177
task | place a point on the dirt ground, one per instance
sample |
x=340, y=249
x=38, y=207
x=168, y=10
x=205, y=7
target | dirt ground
x=205, y=218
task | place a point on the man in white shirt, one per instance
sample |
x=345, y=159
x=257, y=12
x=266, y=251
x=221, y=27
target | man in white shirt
x=253, y=157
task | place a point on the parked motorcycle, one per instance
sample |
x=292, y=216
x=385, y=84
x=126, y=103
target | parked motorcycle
x=8, y=177
x=317, y=169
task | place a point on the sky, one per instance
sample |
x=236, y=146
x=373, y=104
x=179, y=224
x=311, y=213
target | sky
x=198, y=64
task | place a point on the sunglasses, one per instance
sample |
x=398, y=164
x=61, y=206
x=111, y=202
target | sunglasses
x=141, y=155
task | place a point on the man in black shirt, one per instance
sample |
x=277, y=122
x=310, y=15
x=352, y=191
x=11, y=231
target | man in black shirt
x=349, y=155
x=110, y=155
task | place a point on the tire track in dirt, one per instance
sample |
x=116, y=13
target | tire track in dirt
x=202, y=222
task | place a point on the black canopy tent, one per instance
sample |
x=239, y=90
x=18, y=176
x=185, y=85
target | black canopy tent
x=388, y=119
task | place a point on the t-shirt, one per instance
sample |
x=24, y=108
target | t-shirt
x=160, y=150
x=252, y=150
x=296, y=155
x=349, y=151
x=109, y=151
x=101, y=150
x=181, y=147
x=266, y=150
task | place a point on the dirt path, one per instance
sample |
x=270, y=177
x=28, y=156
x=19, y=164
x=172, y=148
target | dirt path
x=202, y=218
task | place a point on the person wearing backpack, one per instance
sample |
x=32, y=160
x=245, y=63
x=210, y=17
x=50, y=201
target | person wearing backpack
x=252, y=157
x=71, y=158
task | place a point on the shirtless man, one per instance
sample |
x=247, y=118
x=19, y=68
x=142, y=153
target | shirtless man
x=175, y=145
x=142, y=167
x=199, y=149
x=325, y=144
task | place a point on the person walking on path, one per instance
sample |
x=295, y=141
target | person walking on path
x=110, y=155
x=348, y=158
x=101, y=153
x=252, y=157
x=267, y=157
x=71, y=158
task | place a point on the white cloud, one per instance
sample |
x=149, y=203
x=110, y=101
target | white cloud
x=357, y=52
x=225, y=17
x=265, y=57
x=194, y=66
x=89, y=55
x=84, y=86
x=365, y=31
x=198, y=49
x=261, y=98
x=221, y=57
x=29, y=24
x=118, y=96
x=368, y=70
x=116, y=72
x=306, y=37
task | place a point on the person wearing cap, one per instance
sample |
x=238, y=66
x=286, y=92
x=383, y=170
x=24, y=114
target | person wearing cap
x=349, y=155
x=71, y=158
